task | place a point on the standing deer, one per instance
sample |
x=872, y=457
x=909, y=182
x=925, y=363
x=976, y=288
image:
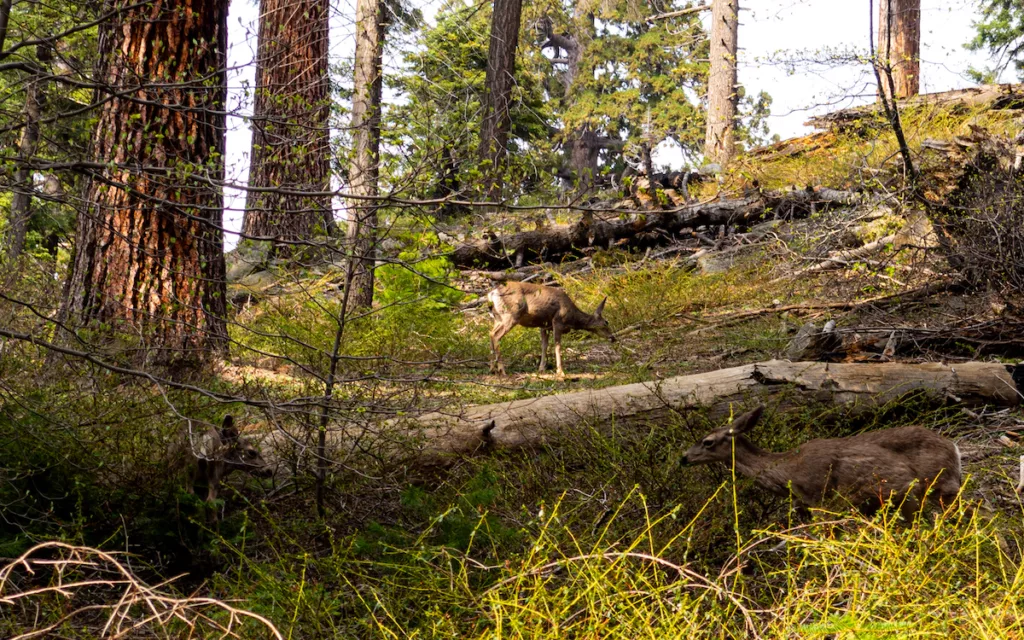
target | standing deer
x=866, y=469
x=547, y=308
x=218, y=452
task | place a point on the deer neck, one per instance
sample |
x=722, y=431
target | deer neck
x=762, y=466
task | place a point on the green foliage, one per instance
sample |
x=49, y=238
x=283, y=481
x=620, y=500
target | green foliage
x=637, y=81
x=100, y=479
x=604, y=536
x=63, y=136
x=437, y=126
x=1001, y=32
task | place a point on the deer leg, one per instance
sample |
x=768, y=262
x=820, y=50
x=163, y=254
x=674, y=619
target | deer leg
x=497, y=333
x=193, y=477
x=543, y=349
x=213, y=482
x=556, y=329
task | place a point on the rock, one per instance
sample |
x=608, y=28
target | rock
x=259, y=281
x=249, y=257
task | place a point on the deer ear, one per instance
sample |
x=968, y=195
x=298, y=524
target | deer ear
x=746, y=421
x=228, y=430
x=600, y=308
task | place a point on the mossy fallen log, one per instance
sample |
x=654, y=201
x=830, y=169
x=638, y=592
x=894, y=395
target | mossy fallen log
x=991, y=96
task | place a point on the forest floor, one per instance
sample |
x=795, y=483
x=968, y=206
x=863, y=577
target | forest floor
x=600, y=532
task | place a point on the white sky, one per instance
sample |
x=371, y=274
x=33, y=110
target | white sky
x=772, y=32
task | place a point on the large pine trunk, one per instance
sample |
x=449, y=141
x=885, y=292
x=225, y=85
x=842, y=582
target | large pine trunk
x=149, y=258
x=899, y=45
x=501, y=61
x=366, y=105
x=720, y=142
x=290, y=141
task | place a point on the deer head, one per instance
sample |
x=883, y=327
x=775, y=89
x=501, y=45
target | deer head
x=598, y=325
x=239, y=453
x=717, y=446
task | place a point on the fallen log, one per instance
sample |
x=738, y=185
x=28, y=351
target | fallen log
x=634, y=229
x=994, y=96
x=857, y=386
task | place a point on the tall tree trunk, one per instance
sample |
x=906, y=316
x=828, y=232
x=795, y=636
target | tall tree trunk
x=899, y=45
x=5, y=17
x=149, y=261
x=501, y=61
x=21, y=200
x=719, y=144
x=290, y=141
x=582, y=146
x=366, y=104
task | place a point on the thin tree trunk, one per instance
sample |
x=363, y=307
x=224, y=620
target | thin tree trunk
x=149, y=262
x=886, y=89
x=290, y=142
x=501, y=60
x=720, y=142
x=366, y=105
x=21, y=200
x=645, y=151
x=5, y=16
x=899, y=45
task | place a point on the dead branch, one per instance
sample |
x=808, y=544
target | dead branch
x=734, y=318
x=119, y=603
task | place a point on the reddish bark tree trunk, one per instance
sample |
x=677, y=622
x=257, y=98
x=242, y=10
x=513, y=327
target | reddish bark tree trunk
x=366, y=104
x=501, y=62
x=149, y=258
x=290, y=141
x=719, y=144
x=899, y=45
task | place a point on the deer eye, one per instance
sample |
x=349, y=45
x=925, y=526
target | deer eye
x=708, y=443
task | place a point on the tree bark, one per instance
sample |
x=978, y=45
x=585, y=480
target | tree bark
x=720, y=141
x=497, y=98
x=366, y=105
x=149, y=259
x=643, y=229
x=5, y=17
x=899, y=45
x=21, y=200
x=290, y=141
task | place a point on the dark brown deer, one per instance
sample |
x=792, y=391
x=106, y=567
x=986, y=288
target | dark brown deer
x=866, y=469
x=546, y=308
x=219, y=452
